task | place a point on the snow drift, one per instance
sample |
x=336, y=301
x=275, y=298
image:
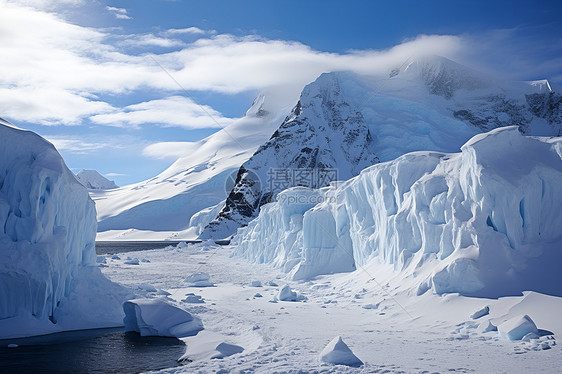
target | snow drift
x=483, y=222
x=49, y=280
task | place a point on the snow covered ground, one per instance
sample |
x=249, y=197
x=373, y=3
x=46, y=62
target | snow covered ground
x=389, y=331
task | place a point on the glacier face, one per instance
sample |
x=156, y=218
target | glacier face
x=47, y=244
x=347, y=122
x=484, y=222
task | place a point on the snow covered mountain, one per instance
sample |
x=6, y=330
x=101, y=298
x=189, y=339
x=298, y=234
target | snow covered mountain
x=49, y=279
x=344, y=122
x=195, y=183
x=93, y=180
x=483, y=222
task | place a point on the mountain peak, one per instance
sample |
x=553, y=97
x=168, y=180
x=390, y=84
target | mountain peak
x=441, y=75
x=258, y=107
x=93, y=180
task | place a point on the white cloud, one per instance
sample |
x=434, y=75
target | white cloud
x=119, y=13
x=97, y=144
x=47, y=4
x=76, y=145
x=151, y=40
x=189, y=30
x=171, y=150
x=115, y=175
x=171, y=111
x=53, y=72
x=48, y=106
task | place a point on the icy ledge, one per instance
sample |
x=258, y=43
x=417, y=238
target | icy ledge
x=482, y=222
x=49, y=281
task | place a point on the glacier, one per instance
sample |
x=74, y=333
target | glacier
x=49, y=279
x=347, y=122
x=483, y=222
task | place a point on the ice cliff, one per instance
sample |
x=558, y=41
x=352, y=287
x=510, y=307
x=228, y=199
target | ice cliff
x=49, y=280
x=484, y=222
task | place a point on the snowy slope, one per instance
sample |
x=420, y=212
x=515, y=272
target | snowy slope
x=93, y=180
x=49, y=280
x=346, y=122
x=194, y=182
x=483, y=222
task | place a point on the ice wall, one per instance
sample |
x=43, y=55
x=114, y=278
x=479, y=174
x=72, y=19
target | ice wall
x=47, y=247
x=485, y=221
x=277, y=237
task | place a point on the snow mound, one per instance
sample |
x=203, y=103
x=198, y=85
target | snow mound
x=199, y=280
x=226, y=349
x=338, y=353
x=482, y=222
x=49, y=280
x=147, y=287
x=286, y=294
x=157, y=317
x=517, y=328
x=132, y=261
x=191, y=298
x=93, y=180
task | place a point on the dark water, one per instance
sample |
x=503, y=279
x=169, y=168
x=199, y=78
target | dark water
x=105, y=248
x=91, y=351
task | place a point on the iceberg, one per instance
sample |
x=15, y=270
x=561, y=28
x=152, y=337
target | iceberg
x=199, y=280
x=482, y=222
x=286, y=294
x=49, y=279
x=158, y=317
x=517, y=328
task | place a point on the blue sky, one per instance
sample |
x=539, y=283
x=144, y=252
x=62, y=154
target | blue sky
x=83, y=74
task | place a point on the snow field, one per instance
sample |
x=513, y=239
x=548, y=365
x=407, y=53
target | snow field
x=287, y=336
